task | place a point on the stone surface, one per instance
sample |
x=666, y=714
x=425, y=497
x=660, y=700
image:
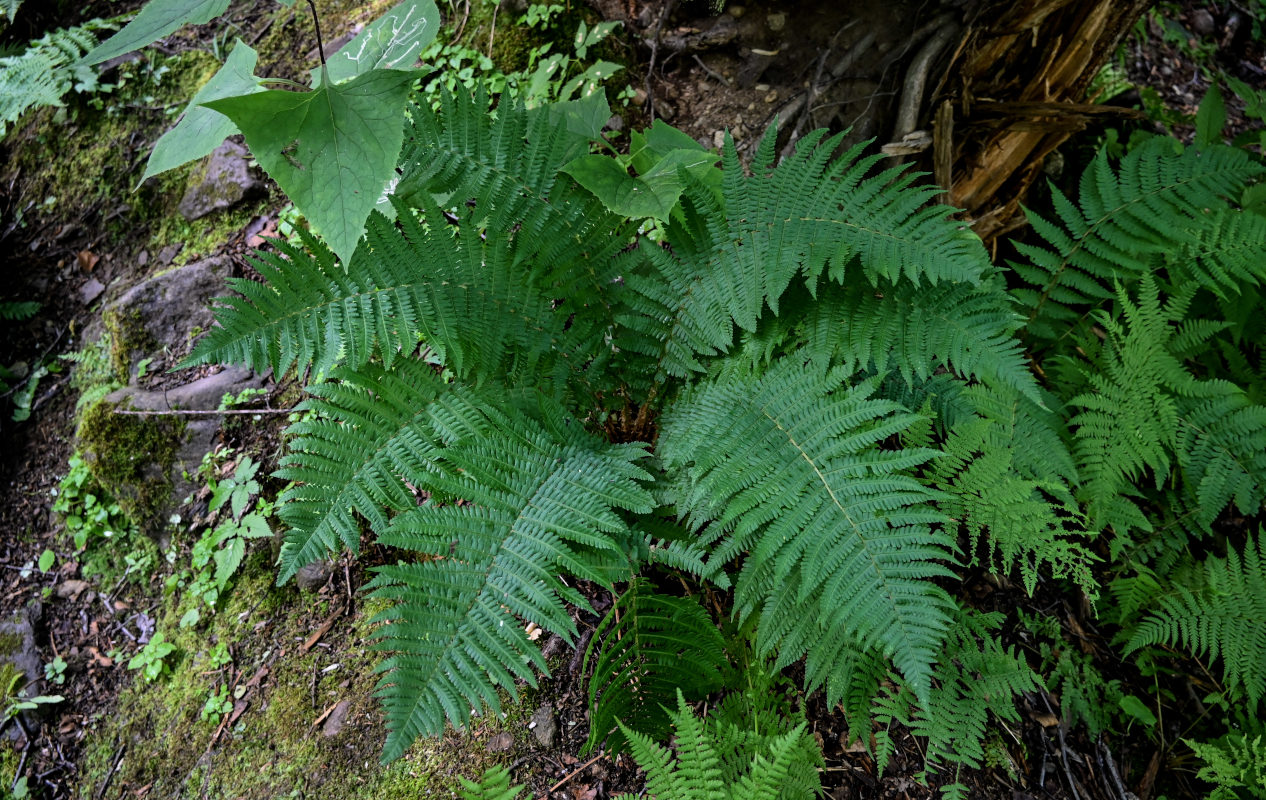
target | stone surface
x=17, y=647
x=157, y=317
x=90, y=291
x=336, y=720
x=543, y=726
x=311, y=577
x=1202, y=22
x=226, y=181
x=501, y=743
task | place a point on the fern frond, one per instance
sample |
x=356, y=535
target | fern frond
x=1224, y=253
x=1127, y=223
x=1233, y=763
x=504, y=169
x=786, y=468
x=18, y=310
x=780, y=766
x=368, y=431
x=650, y=646
x=975, y=677
x=1221, y=444
x=1019, y=518
x=533, y=498
x=460, y=292
x=494, y=785
x=917, y=330
x=1221, y=619
x=44, y=72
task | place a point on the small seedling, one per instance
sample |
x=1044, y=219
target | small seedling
x=151, y=659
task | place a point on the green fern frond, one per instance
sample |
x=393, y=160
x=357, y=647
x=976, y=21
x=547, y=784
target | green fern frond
x=1221, y=444
x=1224, y=253
x=18, y=310
x=917, y=330
x=1232, y=764
x=494, y=785
x=1128, y=222
x=533, y=496
x=782, y=767
x=1220, y=619
x=45, y=71
x=9, y=8
x=650, y=646
x=975, y=677
x=1019, y=518
x=368, y=430
x=786, y=469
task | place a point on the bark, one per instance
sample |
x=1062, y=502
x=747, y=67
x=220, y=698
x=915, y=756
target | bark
x=1013, y=91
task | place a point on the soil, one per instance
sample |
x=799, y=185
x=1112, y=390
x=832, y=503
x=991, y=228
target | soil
x=737, y=71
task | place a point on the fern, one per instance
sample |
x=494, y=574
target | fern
x=1130, y=221
x=785, y=467
x=975, y=677
x=494, y=785
x=1220, y=618
x=15, y=310
x=46, y=70
x=539, y=493
x=1232, y=764
x=652, y=647
x=780, y=770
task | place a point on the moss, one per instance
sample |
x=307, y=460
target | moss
x=130, y=456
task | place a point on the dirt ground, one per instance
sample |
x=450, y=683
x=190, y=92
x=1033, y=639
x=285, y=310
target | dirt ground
x=297, y=656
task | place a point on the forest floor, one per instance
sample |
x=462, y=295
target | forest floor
x=299, y=671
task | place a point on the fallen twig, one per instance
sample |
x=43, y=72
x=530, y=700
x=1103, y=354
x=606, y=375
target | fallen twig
x=181, y=412
x=579, y=770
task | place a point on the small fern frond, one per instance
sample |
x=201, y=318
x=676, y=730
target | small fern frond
x=975, y=677
x=494, y=785
x=44, y=71
x=1127, y=223
x=1220, y=619
x=1232, y=764
x=786, y=468
x=1221, y=444
x=650, y=646
x=18, y=310
x=532, y=497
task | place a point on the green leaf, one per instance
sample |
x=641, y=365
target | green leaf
x=584, y=117
x=228, y=560
x=156, y=20
x=651, y=195
x=393, y=41
x=253, y=526
x=332, y=150
x=46, y=560
x=201, y=130
x=1136, y=709
x=190, y=618
x=1210, y=118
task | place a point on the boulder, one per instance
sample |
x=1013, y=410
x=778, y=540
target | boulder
x=226, y=180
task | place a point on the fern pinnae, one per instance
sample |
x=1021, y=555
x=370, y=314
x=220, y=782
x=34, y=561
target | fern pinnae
x=532, y=500
x=786, y=466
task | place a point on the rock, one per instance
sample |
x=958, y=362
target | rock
x=736, y=11
x=543, y=726
x=90, y=291
x=500, y=743
x=776, y=21
x=71, y=589
x=1202, y=22
x=227, y=180
x=143, y=460
x=336, y=720
x=616, y=123
x=17, y=648
x=311, y=577
x=157, y=318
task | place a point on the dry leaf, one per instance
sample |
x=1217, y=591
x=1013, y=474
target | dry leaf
x=87, y=260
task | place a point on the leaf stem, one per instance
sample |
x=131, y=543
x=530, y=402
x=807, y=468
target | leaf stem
x=317, y=23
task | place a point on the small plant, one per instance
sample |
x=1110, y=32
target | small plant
x=55, y=671
x=13, y=699
x=151, y=659
x=218, y=704
x=89, y=513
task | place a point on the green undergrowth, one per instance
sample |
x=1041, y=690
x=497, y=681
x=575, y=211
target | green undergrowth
x=274, y=750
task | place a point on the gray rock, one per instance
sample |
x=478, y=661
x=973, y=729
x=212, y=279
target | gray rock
x=1202, y=22
x=543, y=726
x=17, y=648
x=336, y=720
x=196, y=438
x=311, y=577
x=157, y=318
x=501, y=743
x=90, y=291
x=226, y=181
